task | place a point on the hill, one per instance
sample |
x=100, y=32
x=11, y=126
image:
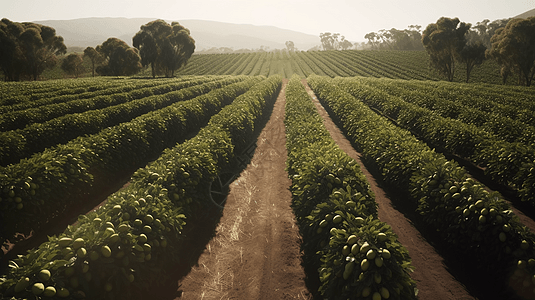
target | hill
x=207, y=34
x=527, y=14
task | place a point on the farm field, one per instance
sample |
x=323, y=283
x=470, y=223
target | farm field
x=306, y=175
x=389, y=64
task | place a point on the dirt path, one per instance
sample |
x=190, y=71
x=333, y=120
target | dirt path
x=256, y=251
x=432, y=278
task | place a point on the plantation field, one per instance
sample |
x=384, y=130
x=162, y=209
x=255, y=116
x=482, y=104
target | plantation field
x=306, y=175
x=390, y=64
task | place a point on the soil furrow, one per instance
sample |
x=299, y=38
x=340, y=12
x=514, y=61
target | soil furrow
x=255, y=253
x=432, y=278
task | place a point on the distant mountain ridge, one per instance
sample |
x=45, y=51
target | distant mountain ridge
x=207, y=34
x=529, y=13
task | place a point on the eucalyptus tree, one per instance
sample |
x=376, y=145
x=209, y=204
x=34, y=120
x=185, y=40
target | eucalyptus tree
x=513, y=47
x=27, y=49
x=119, y=58
x=165, y=47
x=443, y=41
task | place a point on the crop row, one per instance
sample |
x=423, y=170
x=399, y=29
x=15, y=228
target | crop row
x=15, y=93
x=474, y=222
x=22, y=143
x=390, y=64
x=356, y=255
x=23, y=118
x=126, y=245
x=100, y=89
x=484, y=104
x=512, y=164
x=37, y=190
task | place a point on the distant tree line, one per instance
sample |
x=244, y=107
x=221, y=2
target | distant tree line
x=27, y=49
x=395, y=39
x=510, y=42
x=334, y=41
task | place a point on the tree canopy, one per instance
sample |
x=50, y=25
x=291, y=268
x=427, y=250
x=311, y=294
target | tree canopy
x=443, y=41
x=95, y=58
x=27, y=49
x=513, y=47
x=395, y=39
x=119, y=59
x=165, y=47
x=330, y=41
x=73, y=64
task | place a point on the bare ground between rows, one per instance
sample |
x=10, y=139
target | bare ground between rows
x=433, y=279
x=255, y=250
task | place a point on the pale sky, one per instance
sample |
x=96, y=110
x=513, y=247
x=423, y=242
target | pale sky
x=351, y=18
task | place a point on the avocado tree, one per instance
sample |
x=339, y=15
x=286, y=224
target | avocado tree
x=165, y=47
x=513, y=47
x=443, y=41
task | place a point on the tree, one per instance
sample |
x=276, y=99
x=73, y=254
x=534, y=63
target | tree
x=513, y=47
x=73, y=65
x=11, y=57
x=28, y=49
x=472, y=55
x=40, y=46
x=290, y=46
x=443, y=41
x=119, y=58
x=165, y=47
x=395, y=39
x=95, y=58
x=345, y=44
x=329, y=41
x=373, y=39
x=483, y=31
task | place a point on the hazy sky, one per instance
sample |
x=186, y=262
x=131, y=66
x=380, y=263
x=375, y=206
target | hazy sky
x=351, y=18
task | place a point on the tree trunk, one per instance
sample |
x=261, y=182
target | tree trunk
x=469, y=68
x=152, y=69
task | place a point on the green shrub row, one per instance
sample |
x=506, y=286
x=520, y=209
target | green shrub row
x=510, y=122
x=29, y=95
x=129, y=242
x=15, y=93
x=356, y=255
x=18, y=144
x=474, y=222
x=38, y=189
x=23, y=118
x=512, y=164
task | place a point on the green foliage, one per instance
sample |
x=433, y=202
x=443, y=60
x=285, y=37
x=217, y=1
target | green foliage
x=73, y=64
x=443, y=41
x=165, y=47
x=61, y=180
x=119, y=59
x=514, y=49
x=332, y=200
x=27, y=49
x=473, y=221
x=129, y=241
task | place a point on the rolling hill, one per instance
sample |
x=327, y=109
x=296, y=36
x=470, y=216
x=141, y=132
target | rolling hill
x=207, y=34
x=527, y=14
